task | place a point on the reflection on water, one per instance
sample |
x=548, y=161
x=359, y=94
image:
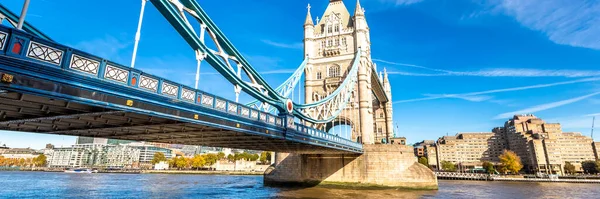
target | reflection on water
x=64, y=185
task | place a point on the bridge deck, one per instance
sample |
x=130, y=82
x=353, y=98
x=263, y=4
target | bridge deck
x=50, y=88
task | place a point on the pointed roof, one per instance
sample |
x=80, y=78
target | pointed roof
x=359, y=11
x=337, y=8
x=308, y=20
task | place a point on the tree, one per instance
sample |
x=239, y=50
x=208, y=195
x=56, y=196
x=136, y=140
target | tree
x=211, y=159
x=221, y=155
x=231, y=158
x=590, y=166
x=511, y=161
x=265, y=157
x=489, y=167
x=424, y=161
x=198, y=161
x=448, y=166
x=569, y=168
x=158, y=157
x=40, y=160
x=181, y=162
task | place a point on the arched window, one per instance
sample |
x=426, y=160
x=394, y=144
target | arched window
x=318, y=75
x=334, y=71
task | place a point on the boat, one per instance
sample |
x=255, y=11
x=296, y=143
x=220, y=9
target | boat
x=81, y=170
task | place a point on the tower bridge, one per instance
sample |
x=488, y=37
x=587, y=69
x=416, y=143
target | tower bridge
x=47, y=87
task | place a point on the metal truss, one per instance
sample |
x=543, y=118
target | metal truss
x=328, y=108
x=229, y=62
x=285, y=89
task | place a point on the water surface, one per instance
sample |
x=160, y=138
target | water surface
x=67, y=185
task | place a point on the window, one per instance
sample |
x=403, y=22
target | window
x=379, y=130
x=344, y=41
x=381, y=115
x=337, y=42
x=334, y=71
x=329, y=29
x=337, y=28
x=318, y=75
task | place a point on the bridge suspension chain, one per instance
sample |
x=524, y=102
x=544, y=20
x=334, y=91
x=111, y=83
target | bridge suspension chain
x=229, y=62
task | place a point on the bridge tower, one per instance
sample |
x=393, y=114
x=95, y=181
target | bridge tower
x=331, y=45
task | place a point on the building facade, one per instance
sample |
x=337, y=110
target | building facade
x=94, y=155
x=543, y=147
x=330, y=46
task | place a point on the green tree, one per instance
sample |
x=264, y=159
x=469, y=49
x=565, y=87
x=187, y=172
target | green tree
x=231, y=158
x=424, y=161
x=221, y=155
x=590, y=166
x=254, y=157
x=511, y=161
x=489, y=167
x=265, y=157
x=158, y=157
x=448, y=166
x=211, y=159
x=40, y=160
x=198, y=161
x=569, y=168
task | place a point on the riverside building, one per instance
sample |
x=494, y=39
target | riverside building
x=542, y=147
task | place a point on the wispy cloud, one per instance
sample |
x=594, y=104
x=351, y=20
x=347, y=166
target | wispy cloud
x=592, y=115
x=493, y=72
x=297, y=46
x=472, y=98
x=501, y=90
x=572, y=22
x=399, y=2
x=543, y=107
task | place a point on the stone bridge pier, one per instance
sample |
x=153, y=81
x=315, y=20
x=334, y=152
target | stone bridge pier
x=392, y=166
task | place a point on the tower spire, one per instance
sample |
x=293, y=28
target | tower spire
x=359, y=11
x=308, y=20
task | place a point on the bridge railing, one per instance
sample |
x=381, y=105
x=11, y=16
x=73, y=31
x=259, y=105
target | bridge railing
x=22, y=45
x=324, y=135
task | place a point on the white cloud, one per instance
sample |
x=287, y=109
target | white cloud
x=472, y=98
x=503, y=90
x=568, y=22
x=298, y=46
x=592, y=115
x=493, y=72
x=399, y=2
x=547, y=106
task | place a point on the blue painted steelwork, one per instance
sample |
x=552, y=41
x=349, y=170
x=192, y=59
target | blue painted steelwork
x=174, y=11
x=29, y=56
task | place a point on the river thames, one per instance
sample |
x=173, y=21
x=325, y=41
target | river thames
x=64, y=185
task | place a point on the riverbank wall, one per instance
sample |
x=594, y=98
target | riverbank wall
x=381, y=166
x=486, y=177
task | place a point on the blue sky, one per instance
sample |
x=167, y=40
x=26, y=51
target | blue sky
x=455, y=65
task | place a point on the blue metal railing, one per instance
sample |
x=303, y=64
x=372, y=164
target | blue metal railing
x=22, y=45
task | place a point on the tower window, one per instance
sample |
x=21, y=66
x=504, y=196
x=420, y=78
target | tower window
x=318, y=75
x=381, y=115
x=334, y=71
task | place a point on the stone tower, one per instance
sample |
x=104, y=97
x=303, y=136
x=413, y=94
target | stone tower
x=331, y=45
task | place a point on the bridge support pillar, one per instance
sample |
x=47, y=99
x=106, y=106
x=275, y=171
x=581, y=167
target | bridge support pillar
x=392, y=166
